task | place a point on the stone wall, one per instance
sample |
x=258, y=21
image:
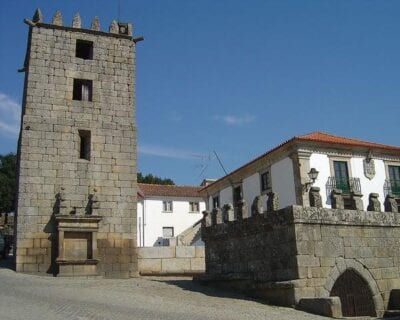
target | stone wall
x=171, y=260
x=298, y=252
x=53, y=178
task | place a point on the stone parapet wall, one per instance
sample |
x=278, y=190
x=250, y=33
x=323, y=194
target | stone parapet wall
x=171, y=260
x=299, y=252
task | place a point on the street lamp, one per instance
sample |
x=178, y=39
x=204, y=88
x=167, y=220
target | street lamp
x=313, y=175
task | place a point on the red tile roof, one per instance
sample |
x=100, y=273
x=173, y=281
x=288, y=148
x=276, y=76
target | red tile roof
x=168, y=190
x=324, y=137
x=316, y=136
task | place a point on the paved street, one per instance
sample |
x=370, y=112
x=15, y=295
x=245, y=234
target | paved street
x=33, y=297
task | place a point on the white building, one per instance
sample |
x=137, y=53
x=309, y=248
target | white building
x=164, y=211
x=351, y=165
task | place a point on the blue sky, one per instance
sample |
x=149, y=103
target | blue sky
x=237, y=77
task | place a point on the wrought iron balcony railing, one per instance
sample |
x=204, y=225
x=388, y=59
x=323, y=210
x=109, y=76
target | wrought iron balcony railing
x=391, y=186
x=347, y=185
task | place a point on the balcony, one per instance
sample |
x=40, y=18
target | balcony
x=347, y=185
x=392, y=186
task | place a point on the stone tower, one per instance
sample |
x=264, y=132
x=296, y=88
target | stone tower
x=76, y=212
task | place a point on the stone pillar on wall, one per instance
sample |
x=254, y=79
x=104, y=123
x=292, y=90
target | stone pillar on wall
x=356, y=201
x=257, y=207
x=228, y=213
x=391, y=204
x=214, y=215
x=301, y=167
x=315, y=197
x=206, y=219
x=337, y=199
x=243, y=213
x=374, y=203
x=272, y=202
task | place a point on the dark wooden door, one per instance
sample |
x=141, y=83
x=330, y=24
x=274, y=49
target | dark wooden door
x=354, y=294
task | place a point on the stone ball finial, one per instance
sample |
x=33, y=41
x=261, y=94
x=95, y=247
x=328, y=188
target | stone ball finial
x=57, y=18
x=37, y=16
x=113, y=27
x=76, y=21
x=95, y=24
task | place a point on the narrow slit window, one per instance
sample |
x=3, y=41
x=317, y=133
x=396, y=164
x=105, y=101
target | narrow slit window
x=84, y=144
x=82, y=90
x=84, y=49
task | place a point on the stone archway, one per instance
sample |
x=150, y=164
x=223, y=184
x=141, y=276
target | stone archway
x=355, y=295
x=341, y=266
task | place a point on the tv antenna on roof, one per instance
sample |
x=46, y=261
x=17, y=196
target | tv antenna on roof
x=220, y=162
x=119, y=10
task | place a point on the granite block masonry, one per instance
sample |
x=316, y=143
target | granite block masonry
x=76, y=211
x=307, y=257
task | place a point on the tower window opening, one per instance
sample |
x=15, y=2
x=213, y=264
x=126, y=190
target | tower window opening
x=82, y=90
x=84, y=144
x=84, y=49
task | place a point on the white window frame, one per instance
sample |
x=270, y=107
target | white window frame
x=168, y=206
x=194, y=206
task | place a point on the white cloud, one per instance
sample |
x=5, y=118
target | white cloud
x=168, y=152
x=235, y=120
x=10, y=113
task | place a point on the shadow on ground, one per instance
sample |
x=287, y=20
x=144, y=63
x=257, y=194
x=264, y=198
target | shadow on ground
x=194, y=286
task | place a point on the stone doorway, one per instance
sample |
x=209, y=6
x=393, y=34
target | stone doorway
x=355, y=295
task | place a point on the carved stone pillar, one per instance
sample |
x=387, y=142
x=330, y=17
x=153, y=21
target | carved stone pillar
x=63, y=204
x=337, y=199
x=214, y=214
x=228, y=213
x=217, y=216
x=315, y=197
x=301, y=167
x=206, y=222
x=391, y=204
x=356, y=201
x=243, y=213
x=272, y=202
x=374, y=203
x=257, y=207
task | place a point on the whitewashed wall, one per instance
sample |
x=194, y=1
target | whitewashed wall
x=225, y=196
x=282, y=178
x=321, y=163
x=373, y=185
x=251, y=189
x=155, y=219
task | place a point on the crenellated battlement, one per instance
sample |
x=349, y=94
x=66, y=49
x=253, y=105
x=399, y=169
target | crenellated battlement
x=116, y=28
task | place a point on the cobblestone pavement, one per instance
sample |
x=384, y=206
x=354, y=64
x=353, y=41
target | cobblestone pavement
x=35, y=297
